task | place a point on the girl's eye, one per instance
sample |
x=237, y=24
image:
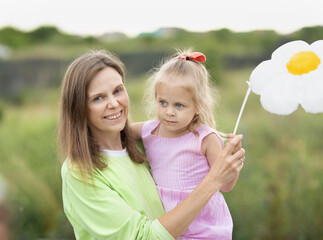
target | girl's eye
x=178, y=105
x=163, y=103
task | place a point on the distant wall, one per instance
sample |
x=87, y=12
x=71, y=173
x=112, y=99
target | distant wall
x=17, y=75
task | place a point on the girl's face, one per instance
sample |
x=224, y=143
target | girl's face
x=108, y=104
x=176, y=109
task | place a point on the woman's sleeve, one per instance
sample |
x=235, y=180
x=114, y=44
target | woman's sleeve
x=104, y=214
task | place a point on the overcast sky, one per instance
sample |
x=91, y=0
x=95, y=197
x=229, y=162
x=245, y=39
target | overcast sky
x=132, y=17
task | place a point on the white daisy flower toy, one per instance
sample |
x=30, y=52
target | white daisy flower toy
x=293, y=76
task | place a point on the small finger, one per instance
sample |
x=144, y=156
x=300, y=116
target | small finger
x=232, y=143
x=239, y=154
x=230, y=135
x=240, y=163
x=238, y=146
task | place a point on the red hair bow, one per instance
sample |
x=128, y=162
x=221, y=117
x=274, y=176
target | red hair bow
x=196, y=56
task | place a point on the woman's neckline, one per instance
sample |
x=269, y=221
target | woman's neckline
x=109, y=152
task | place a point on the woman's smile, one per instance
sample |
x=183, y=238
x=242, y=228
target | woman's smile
x=113, y=116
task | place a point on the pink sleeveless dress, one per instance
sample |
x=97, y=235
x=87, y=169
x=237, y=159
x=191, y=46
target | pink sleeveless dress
x=178, y=166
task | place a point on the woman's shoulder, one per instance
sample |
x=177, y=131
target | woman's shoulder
x=68, y=169
x=65, y=166
x=72, y=170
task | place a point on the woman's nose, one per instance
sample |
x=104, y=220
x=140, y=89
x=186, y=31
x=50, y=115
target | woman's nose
x=112, y=102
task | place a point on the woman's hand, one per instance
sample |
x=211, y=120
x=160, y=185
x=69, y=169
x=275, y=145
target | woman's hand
x=238, y=146
x=229, y=163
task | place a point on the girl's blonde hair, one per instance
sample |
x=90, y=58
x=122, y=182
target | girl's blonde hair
x=194, y=76
x=75, y=139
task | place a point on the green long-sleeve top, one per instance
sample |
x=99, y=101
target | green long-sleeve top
x=121, y=202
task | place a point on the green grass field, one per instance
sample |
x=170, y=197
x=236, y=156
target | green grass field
x=278, y=195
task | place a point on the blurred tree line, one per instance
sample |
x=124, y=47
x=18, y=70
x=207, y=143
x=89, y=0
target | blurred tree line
x=39, y=57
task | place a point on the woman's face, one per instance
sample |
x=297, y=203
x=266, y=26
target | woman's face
x=108, y=104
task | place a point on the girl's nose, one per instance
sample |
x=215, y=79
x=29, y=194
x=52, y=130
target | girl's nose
x=170, y=111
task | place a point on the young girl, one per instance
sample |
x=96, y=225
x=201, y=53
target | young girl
x=182, y=143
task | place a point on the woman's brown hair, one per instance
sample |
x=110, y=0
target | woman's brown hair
x=74, y=135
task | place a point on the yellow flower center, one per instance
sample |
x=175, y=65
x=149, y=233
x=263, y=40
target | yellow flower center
x=303, y=62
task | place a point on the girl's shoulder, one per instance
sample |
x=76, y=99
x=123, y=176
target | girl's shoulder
x=149, y=126
x=204, y=131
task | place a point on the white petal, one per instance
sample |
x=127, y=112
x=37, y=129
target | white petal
x=263, y=75
x=317, y=47
x=317, y=44
x=280, y=97
x=286, y=51
x=311, y=98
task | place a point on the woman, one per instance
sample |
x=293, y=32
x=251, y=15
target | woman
x=108, y=192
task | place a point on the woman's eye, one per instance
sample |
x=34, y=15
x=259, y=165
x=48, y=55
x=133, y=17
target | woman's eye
x=119, y=90
x=178, y=105
x=96, y=99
